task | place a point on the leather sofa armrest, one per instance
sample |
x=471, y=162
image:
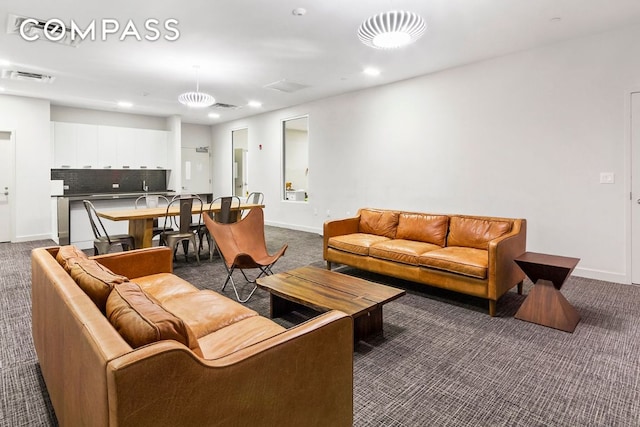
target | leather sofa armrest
x=138, y=262
x=504, y=273
x=305, y=373
x=338, y=227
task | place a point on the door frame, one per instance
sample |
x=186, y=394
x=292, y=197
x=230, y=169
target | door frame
x=246, y=166
x=12, y=184
x=629, y=190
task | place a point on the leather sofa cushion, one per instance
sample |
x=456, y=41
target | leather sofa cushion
x=163, y=286
x=378, y=222
x=423, y=228
x=466, y=261
x=356, y=243
x=206, y=311
x=240, y=335
x=398, y=250
x=475, y=232
x=141, y=320
x=69, y=255
x=95, y=280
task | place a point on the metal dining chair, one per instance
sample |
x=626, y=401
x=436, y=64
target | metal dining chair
x=153, y=201
x=103, y=242
x=185, y=233
x=227, y=214
x=254, y=198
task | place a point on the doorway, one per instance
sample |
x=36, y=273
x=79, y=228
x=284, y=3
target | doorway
x=635, y=188
x=240, y=148
x=6, y=185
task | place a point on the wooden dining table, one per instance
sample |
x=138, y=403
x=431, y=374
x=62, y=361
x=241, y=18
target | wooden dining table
x=141, y=219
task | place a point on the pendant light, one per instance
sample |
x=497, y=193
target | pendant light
x=391, y=30
x=196, y=99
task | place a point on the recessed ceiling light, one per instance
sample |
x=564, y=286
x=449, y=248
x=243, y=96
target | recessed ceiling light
x=4, y=63
x=214, y=115
x=370, y=71
x=125, y=104
x=255, y=104
x=1, y=89
x=299, y=11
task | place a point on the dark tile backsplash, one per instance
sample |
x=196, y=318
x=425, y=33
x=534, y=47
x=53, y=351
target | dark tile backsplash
x=98, y=181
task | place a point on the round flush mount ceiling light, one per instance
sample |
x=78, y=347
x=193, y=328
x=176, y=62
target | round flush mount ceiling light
x=196, y=99
x=391, y=30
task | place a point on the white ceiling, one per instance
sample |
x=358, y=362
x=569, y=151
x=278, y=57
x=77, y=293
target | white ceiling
x=243, y=45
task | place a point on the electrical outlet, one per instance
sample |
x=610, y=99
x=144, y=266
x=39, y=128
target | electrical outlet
x=607, y=178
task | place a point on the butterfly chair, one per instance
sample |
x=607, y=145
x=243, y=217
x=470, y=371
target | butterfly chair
x=242, y=246
x=255, y=198
x=227, y=214
x=153, y=201
x=184, y=233
x=103, y=243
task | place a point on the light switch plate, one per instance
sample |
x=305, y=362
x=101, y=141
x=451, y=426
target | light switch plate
x=607, y=178
x=115, y=185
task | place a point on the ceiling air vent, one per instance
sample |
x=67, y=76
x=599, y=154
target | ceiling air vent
x=285, y=86
x=36, y=28
x=27, y=76
x=223, y=106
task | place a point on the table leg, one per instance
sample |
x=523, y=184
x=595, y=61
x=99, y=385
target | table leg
x=368, y=324
x=546, y=306
x=142, y=232
x=280, y=306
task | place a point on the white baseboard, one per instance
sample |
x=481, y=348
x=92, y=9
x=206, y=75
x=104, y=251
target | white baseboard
x=607, y=276
x=32, y=237
x=295, y=227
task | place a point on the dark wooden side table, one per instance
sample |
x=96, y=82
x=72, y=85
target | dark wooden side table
x=545, y=305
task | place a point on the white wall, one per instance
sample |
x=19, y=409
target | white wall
x=29, y=119
x=196, y=136
x=106, y=118
x=524, y=135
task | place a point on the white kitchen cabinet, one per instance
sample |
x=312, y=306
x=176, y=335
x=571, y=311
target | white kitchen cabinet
x=86, y=146
x=75, y=145
x=79, y=146
x=64, y=148
x=108, y=147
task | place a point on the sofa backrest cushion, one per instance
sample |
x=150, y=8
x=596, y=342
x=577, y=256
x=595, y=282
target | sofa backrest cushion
x=475, y=232
x=423, y=228
x=69, y=255
x=141, y=320
x=378, y=222
x=95, y=280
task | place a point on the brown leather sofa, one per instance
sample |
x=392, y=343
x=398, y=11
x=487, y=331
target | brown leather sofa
x=468, y=254
x=124, y=342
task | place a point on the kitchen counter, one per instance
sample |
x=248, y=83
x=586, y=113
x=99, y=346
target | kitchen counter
x=107, y=196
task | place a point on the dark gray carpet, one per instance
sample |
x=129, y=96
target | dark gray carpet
x=442, y=361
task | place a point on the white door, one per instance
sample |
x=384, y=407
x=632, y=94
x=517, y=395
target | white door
x=240, y=148
x=6, y=184
x=635, y=187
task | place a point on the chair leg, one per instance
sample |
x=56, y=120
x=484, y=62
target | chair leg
x=185, y=247
x=235, y=290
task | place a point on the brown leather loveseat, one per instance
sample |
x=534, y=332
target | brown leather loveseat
x=468, y=254
x=122, y=341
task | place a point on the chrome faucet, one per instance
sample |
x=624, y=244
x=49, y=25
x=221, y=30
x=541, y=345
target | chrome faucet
x=144, y=186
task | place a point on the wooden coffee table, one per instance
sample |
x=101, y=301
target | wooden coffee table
x=545, y=305
x=323, y=290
